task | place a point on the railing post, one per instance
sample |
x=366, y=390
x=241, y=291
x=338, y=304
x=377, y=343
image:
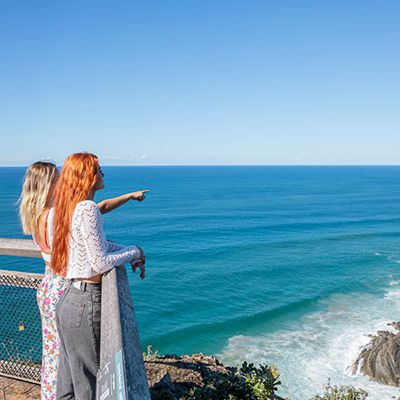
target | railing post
x=122, y=373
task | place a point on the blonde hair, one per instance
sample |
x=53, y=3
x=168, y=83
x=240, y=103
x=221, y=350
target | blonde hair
x=36, y=195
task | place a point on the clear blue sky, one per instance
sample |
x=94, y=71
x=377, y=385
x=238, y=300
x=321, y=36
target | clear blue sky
x=201, y=82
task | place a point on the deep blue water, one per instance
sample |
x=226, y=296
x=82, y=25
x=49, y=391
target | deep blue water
x=242, y=259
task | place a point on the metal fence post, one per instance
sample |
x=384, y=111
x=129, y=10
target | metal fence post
x=122, y=371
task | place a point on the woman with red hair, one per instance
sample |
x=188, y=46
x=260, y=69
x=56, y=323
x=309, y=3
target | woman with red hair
x=81, y=253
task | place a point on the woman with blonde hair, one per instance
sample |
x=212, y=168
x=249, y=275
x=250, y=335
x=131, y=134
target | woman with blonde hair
x=82, y=254
x=36, y=212
x=34, y=209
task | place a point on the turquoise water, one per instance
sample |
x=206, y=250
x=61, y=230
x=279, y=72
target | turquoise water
x=283, y=265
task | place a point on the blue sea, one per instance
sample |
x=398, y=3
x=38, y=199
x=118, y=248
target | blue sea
x=290, y=266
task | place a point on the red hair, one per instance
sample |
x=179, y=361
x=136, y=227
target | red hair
x=77, y=179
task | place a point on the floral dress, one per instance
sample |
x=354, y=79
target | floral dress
x=48, y=294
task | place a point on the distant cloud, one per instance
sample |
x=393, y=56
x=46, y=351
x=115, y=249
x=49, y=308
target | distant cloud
x=113, y=159
x=138, y=158
x=11, y=159
x=16, y=161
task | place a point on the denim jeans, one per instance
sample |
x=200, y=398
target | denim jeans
x=78, y=316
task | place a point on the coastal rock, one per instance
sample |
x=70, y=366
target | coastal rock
x=380, y=359
x=396, y=325
x=171, y=376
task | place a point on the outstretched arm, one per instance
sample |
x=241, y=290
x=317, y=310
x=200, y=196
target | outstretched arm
x=108, y=205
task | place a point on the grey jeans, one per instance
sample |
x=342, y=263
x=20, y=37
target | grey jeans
x=78, y=316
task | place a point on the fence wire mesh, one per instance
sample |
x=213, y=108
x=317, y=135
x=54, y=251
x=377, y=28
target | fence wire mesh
x=20, y=326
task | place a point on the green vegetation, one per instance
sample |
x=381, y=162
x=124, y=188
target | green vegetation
x=341, y=393
x=247, y=383
x=244, y=383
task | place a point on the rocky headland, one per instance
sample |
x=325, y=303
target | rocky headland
x=380, y=358
x=173, y=377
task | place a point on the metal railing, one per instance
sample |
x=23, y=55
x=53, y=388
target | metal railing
x=122, y=374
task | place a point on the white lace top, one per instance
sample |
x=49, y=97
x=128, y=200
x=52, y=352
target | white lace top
x=89, y=252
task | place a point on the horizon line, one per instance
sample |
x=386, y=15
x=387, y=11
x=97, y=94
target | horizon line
x=226, y=165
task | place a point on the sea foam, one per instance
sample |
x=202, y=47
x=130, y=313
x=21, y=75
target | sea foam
x=322, y=345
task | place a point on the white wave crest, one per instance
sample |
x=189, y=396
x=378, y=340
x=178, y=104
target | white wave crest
x=321, y=345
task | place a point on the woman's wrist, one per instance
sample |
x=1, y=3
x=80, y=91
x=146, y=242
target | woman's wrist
x=132, y=196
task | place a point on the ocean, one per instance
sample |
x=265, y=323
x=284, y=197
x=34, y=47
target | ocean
x=289, y=266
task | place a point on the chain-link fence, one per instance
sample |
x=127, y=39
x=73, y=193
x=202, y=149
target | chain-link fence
x=20, y=326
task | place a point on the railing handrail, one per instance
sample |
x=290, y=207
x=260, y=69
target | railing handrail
x=18, y=248
x=121, y=358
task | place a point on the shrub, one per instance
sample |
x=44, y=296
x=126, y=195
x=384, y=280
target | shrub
x=341, y=393
x=247, y=383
